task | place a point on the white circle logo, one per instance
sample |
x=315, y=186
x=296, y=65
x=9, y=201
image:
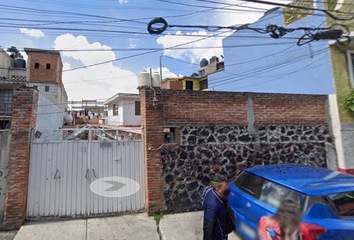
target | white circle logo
x=115, y=187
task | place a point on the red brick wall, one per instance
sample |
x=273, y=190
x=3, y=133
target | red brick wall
x=24, y=116
x=173, y=85
x=42, y=74
x=179, y=107
x=289, y=109
x=164, y=85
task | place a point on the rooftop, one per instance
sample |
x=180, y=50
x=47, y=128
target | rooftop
x=308, y=180
x=120, y=96
x=37, y=50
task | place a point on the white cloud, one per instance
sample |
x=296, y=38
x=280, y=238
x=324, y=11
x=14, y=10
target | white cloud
x=194, y=51
x=32, y=32
x=244, y=15
x=123, y=1
x=133, y=43
x=98, y=82
x=166, y=73
x=24, y=55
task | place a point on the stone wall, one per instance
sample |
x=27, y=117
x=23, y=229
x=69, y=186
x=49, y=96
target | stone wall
x=206, y=151
x=223, y=133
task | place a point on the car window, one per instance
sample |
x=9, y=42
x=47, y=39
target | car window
x=250, y=184
x=240, y=178
x=343, y=203
x=273, y=194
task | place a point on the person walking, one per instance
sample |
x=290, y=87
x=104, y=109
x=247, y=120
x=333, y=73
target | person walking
x=284, y=225
x=217, y=214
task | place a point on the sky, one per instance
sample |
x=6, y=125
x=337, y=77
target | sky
x=118, y=28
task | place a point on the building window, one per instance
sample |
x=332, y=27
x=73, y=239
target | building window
x=48, y=66
x=189, y=85
x=203, y=84
x=36, y=65
x=137, y=108
x=5, y=102
x=47, y=88
x=115, y=110
x=351, y=66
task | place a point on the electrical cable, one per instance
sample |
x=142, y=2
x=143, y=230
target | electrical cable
x=327, y=12
x=250, y=73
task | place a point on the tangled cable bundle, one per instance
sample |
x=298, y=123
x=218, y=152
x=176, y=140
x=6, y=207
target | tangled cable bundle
x=274, y=31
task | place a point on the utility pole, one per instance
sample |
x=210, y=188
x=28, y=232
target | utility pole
x=161, y=69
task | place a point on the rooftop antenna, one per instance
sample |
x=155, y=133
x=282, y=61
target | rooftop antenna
x=281, y=171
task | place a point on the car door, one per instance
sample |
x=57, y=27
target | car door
x=245, y=193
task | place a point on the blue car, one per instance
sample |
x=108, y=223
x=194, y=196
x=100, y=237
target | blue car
x=326, y=198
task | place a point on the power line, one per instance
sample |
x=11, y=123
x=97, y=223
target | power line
x=260, y=70
x=170, y=48
x=220, y=8
x=327, y=12
x=250, y=73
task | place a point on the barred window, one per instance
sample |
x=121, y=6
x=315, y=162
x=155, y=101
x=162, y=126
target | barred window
x=5, y=102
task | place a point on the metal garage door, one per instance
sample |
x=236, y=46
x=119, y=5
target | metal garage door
x=61, y=173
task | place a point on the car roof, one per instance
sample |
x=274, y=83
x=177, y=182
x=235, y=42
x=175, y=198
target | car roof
x=308, y=180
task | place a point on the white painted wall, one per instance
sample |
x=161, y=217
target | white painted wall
x=115, y=120
x=49, y=119
x=52, y=95
x=62, y=100
x=129, y=113
x=126, y=113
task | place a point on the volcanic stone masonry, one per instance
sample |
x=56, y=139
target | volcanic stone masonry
x=206, y=151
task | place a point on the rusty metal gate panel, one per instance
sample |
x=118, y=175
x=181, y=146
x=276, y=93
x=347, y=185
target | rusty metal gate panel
x=61, y=173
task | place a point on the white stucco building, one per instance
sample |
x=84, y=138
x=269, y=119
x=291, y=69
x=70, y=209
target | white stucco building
x=123, y=110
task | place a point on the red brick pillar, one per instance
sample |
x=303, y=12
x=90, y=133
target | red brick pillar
x=152, y=123
x=23, y=120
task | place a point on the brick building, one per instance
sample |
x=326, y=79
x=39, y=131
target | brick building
x=193, y=135
x=15, y=153
x=44, y=71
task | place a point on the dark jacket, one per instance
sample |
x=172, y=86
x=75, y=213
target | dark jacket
x=214, y=226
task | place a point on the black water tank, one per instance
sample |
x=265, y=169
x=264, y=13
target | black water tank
x=20, y=62
x=14, y=50
x=204, y=63
x=214, y=59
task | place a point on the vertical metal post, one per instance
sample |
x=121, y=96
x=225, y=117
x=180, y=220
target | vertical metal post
x=88, y=200
x=161, y=68
x=151, y=78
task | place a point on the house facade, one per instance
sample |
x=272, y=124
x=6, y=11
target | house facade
x=12, y=76
x=280, y=66
x=123, y=110
x=196, y=83
x=44, y=71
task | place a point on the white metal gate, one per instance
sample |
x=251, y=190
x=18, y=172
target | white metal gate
x=62, y=171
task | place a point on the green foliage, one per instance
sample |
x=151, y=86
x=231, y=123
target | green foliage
x=292, y=15
x=349, y=102
x=157, y=218
x=332, y=4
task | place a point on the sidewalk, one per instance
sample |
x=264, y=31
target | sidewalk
x=127, y=227
x=184, y=226
x=10, y=235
